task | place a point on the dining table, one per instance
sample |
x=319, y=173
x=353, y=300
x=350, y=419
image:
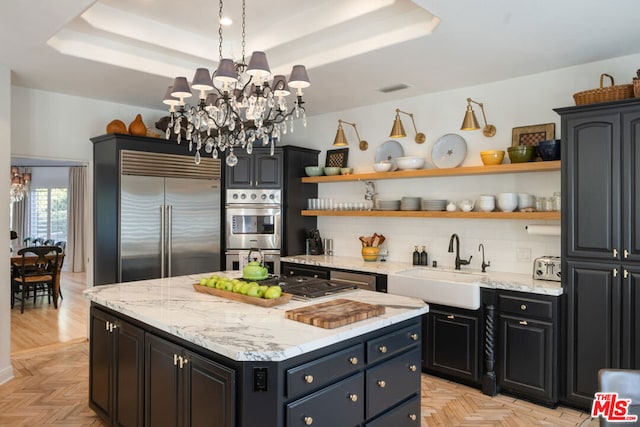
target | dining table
x=16, y=261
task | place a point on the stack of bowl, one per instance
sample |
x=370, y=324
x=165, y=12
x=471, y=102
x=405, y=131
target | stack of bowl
x=434, y=205
x=521, y=153
x=388, y=205
x=410, y=204
x=507, y=202
x=487, y=203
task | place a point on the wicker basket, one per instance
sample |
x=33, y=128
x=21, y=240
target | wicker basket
x=604, y=94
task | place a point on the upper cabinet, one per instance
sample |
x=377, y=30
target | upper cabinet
x=257, y=170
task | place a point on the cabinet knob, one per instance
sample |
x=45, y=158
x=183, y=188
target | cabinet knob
x=414, y=337
x=413, y=368
x=382, y=384
x=308, y=420
x=315, y=276
x=308, y=379
x=523, y=307
x=383, y=349
x=353, y=397
x=451, y=316
x=353, y=360
x=413, y=417
x=523, y=322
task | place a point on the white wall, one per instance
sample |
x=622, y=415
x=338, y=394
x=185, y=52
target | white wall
x=6, y=371
x=510, y=103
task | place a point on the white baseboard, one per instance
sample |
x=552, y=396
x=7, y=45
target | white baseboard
x=6, y=374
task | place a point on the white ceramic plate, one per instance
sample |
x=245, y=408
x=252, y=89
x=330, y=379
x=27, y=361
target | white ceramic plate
x=449, y=151
x=390, y=151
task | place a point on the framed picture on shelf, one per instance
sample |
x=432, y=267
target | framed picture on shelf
x=532, y=135
x=337, y=158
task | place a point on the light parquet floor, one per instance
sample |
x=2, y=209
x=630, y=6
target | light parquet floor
x=50, y=357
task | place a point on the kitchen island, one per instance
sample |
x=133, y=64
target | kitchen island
x=163, y=354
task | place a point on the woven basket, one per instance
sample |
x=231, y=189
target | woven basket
x=604, y=94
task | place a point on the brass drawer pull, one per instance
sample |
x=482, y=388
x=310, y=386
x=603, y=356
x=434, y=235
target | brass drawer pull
x=451, y=316
x=383, y=349
x=413, y=417
x=382, y=384
x=308, y=379
x=353, y=360
x=353, y=397
x=308, y=420
x=523, y=322
x=413, y=368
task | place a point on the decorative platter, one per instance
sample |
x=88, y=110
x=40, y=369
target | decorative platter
x=449, y=151
x=284, y=298
x=390, y=151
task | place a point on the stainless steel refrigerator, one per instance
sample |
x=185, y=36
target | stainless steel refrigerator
x=168, y=227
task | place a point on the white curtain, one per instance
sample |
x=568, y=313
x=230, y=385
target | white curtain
x=20, y=216
x=74, y=258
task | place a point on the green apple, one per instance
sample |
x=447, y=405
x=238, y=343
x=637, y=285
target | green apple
x=245, y=288
x=228, y=286
x=273, y=292
x=203, y=281
x=253, y=291
x=212, y=283
x=220, y=284
x=237, y=286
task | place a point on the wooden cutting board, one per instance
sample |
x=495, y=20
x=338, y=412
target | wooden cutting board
x=333, y=314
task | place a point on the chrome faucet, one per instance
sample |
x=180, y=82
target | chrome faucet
x=459, y=261
x=370, y=193
x=484, y=264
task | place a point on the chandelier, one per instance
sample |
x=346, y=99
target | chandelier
x=19, y=184
x=244, y=104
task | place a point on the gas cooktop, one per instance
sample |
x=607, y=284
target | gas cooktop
x=306, y=288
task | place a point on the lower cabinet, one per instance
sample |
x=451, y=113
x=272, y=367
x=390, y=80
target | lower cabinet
x=451, y=344
x=184, y=389
x=528, y=340
x=116, y=366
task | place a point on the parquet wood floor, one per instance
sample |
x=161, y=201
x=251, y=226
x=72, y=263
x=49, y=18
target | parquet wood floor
x=50, y=357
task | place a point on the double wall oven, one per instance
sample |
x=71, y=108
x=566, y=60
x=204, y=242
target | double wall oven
x=253, y=221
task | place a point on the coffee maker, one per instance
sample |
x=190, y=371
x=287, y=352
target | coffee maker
x=314, y=242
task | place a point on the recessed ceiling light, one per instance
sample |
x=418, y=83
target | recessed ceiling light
x=225, y=21
x=393, y=88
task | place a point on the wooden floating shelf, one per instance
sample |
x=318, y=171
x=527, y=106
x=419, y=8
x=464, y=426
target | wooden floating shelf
x=439, y=214
x=426, y=173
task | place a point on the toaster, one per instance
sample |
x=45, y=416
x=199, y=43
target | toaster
x=547, y=268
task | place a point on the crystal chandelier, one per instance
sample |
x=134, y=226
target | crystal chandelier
x=19, y=184
x=245, y=104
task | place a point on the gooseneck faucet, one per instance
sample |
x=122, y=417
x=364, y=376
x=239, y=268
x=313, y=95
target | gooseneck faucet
x=484, y=264
x=459, y=261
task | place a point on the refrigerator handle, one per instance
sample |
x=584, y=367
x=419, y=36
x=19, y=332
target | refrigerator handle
x=169, y=238
x=162, y=240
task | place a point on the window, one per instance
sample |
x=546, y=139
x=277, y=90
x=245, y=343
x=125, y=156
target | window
x=49, y=213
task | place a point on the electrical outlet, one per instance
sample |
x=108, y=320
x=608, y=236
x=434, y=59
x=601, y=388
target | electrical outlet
x=523, y=254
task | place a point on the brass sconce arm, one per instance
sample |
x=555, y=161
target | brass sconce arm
x=398, y=129
x=471, y=123
x=341, y=139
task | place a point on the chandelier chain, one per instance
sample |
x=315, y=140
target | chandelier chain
x=220, y=32
x=243, y=30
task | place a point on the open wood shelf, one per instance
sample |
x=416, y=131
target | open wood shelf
x=426, y=173
x=440, y=214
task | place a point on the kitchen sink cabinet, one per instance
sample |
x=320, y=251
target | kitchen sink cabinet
x=184, y=389
x=600, y=241
x=527, y=361
x=451, y=344
x=116, y=360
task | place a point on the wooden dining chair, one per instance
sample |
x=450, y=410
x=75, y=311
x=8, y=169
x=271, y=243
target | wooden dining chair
x=37, y=267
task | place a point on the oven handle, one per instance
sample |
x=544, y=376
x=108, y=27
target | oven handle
x=253, y=206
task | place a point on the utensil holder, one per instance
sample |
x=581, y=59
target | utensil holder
x=370, y=254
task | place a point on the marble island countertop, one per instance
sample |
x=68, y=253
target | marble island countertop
x=237, y=330
x=491, y=279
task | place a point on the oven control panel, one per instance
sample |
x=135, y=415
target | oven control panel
x=253, y=196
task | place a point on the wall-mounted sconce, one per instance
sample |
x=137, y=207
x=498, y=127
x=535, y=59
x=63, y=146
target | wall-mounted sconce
x=397, y=131
x=341, y=139
x=471, y=123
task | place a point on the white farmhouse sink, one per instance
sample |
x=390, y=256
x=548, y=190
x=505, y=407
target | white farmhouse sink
x=445, y=287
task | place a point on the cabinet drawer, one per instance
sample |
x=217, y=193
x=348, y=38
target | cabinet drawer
x=393, y=381
x=340, y=404
x=524, y=306
x=393, y=343
x=406, y=414
x=289, y=269
x=318, y=373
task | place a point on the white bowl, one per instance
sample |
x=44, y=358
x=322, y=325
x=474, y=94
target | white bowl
x=408, y=163
x=507, y=202
x=526, y=201
x=382, y=166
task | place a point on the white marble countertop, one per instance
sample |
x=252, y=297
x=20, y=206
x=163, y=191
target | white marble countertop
x=237, y=330
x=491, y=279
